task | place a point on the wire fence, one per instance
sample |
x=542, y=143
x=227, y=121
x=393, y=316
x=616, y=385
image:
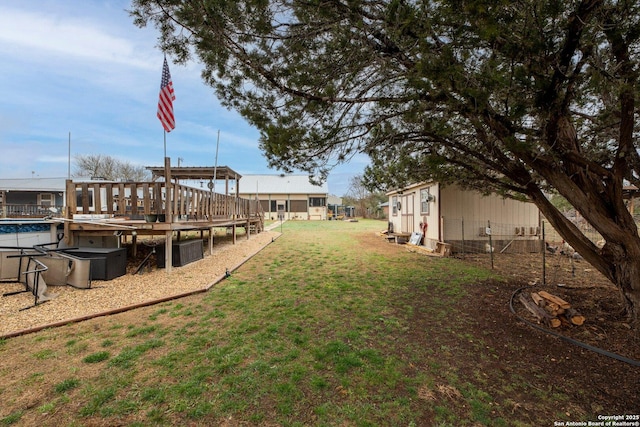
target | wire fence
x=476, y=237
x=535, y=252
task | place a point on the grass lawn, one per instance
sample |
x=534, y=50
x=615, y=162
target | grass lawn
x=327, y=326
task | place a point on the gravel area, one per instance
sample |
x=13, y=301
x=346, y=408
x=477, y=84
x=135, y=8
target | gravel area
x=128, y=290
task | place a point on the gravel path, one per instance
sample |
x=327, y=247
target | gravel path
x=128, y=290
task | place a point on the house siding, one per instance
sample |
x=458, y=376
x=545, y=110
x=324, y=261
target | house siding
x=292, y=193
x=478, y=212
x=450, y=211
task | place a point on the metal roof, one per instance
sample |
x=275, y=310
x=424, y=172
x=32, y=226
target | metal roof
x=36, y=184
x=280, y=184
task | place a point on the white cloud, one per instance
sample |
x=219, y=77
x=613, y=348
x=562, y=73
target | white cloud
x=83, y=67
x=44, y=36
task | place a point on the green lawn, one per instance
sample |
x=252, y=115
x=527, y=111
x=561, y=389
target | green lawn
x=324, y=327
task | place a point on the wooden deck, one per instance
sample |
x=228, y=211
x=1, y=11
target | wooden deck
x=124, y=209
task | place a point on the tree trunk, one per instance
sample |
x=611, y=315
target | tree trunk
x=618, y=260
x=626, y=276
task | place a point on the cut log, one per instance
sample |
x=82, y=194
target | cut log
x=538, y=299
x=551, y=307
x=538, y=312
x=565, y=321
x=555, y=299
x=554, y=309
x=574, y=317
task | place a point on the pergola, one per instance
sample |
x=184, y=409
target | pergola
x=195, y=173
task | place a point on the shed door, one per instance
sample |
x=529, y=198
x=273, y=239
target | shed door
x=406, y=213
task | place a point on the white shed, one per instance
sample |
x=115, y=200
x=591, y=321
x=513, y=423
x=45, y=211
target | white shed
x=467, y=220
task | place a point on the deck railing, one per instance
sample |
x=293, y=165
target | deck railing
x=27, y=210
x=136, y=199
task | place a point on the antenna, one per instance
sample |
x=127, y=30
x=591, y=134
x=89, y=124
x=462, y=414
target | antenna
x=215, y=166
x=69, y=158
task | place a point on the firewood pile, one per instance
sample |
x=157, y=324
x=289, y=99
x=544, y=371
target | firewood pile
x=550, y=309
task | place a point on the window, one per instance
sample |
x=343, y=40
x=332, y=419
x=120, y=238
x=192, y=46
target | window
x=298, y=206
x=317, y=201
x=425, y=198
x=394, y=205
x=45, y=199
x=273, y=207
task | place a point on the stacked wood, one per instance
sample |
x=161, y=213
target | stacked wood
x=424, y=250
x=555, y=300
x=539, y=313
x=551, y=309
x=554, y=306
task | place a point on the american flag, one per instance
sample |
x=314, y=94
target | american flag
x=165, y=103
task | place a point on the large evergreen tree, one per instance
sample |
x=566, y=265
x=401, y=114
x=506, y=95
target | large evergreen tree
x=512, y=97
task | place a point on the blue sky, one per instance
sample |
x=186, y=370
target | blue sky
x=82, y=68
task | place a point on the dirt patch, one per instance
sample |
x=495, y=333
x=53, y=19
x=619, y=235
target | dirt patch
x=578, y=283
x=594, y=383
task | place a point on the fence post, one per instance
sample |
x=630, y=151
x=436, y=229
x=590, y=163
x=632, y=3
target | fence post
x=462, y=223
x=544, y=257
x=490, y=242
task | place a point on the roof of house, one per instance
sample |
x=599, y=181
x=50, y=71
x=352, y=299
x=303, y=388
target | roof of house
x=408, y=187
x=280, y=184
x=334, y=200
x=36, y=184
x=33, y=184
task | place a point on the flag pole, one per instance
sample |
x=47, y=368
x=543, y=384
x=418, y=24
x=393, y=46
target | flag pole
x=215, y=166
x=69, y=158
x=165, y=103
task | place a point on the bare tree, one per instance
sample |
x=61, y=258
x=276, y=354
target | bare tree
x=365, y=201
x=130, y=172
x=359, y=195
x=109, y=168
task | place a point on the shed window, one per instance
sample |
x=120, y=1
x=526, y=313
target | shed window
x=425, y=197
x=394, y=205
